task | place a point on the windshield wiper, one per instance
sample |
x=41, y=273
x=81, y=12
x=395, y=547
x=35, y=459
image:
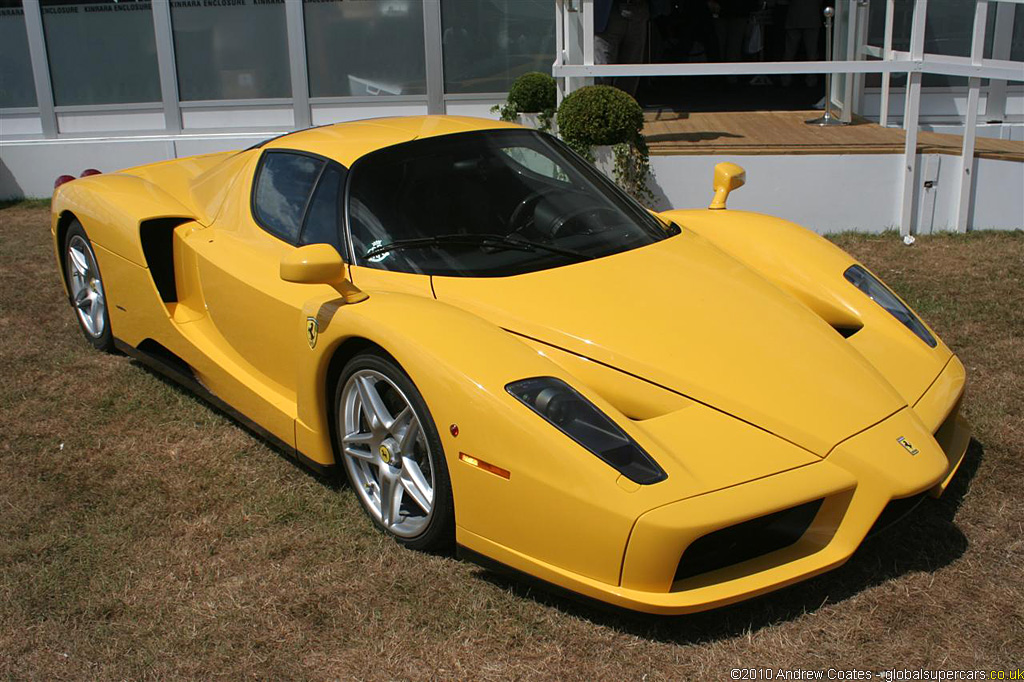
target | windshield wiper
x=495, y=240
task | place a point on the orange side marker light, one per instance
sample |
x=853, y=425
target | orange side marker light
x=486, y=466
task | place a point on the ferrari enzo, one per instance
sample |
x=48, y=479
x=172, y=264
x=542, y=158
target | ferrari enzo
x=666, y=411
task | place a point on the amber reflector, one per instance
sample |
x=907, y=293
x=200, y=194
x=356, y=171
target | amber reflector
x=486, y=466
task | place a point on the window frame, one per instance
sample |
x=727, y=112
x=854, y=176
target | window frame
x=341, y=214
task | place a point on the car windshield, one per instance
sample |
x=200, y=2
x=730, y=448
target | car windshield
x=487, y=204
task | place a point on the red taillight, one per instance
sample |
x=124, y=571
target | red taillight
x=89, y=171
x=62, y=179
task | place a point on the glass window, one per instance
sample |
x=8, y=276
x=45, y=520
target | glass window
x=323, y=220
x=490, y=43
x=948, y=30
x=283, y=185
x=1017, y=43
x=364, y=48
x=231, y=49
x=17, y=89
x=489, y=204
x=101, y=51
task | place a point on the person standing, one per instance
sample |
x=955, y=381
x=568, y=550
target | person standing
x=620, y=37
x=803, y=25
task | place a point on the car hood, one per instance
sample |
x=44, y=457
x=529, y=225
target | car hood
x=686, y=316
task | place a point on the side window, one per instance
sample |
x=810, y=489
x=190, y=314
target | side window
x=534, y=161
x=323, y=219
x=283, y=185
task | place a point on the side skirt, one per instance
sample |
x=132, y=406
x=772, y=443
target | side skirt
x=189, y=382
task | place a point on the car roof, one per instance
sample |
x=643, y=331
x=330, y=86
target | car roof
x=346, y=142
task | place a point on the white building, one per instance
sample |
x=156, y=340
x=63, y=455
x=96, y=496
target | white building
x=115, y=83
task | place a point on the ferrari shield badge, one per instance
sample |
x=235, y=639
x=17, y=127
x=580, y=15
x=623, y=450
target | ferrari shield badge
x=312, y=331
x=907, y=445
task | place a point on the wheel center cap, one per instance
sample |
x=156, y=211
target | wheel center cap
x=388, y=454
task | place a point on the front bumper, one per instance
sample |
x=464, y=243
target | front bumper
x=854, y=485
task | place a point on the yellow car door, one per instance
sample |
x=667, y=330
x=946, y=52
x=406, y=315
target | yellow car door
x=255, y=330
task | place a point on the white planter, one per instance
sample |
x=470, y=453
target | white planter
x=604, y=160
x=533, y=121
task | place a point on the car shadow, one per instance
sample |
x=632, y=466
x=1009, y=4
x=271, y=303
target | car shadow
x=925, y=541
x=334, y=480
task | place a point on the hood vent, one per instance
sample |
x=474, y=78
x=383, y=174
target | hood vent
x=846, y=331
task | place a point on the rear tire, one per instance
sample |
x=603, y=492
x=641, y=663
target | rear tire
x=392, y=453
x=85, y=288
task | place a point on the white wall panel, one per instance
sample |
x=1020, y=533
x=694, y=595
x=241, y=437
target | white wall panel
x=324, y=114
x=109, y=121
x=218, y=118
x=20, y=124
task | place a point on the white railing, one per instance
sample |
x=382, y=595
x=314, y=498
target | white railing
x=574, y=67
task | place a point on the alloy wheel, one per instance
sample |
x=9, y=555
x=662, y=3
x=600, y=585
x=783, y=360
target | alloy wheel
x=86, y=288
x=386, y=453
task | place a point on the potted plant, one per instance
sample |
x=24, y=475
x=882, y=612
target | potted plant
x=531, y=101
x=604, y=125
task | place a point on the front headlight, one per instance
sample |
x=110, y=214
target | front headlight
x=880, y=294
x=578, y=418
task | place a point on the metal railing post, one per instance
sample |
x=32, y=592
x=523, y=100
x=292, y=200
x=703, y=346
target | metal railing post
x=1002, y=39
x=890, y=10
x=588, y=32
x=963, y=199
x=912, y=111
x=855, y=52
x=559, y=48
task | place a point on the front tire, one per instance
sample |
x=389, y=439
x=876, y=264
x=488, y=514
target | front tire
x=392, y=453
x=85, y=288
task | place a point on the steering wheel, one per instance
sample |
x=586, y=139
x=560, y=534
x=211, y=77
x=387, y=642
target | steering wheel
x=558, y=226
x=520, y=211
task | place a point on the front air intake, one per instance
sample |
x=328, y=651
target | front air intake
x=746, y=540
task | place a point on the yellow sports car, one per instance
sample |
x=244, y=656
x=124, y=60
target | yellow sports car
x=664, y=411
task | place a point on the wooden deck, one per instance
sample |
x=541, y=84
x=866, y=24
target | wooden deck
x=785, y=132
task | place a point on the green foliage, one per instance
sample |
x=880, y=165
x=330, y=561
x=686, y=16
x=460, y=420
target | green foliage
x=603, y=115
x=599, y=115
x=632, y=168
x=531, y=93
x=24, y=203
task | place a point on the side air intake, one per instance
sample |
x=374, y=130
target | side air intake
x=157, y=238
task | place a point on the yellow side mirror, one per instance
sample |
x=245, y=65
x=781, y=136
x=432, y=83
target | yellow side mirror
x=728, y=176
x=319, y=264
x=313, y=264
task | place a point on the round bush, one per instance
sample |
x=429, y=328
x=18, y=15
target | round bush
x=600, y=115
x=533, y=93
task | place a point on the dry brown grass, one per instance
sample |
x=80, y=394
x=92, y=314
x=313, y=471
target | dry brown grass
x=143, y=535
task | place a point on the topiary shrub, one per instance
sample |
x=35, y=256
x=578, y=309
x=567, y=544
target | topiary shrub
x=531, y=93
x=603, y=115
x=599, y=115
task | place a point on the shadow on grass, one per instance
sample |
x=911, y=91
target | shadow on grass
x=925, y=541
x=334, y=480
